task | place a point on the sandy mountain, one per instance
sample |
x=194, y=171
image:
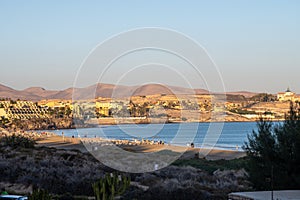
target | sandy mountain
x=98, y=90
x=90, y=92
x=5, y=88
x=116, y=91
x=244, y=93
x=7, y=92
x=63, y=94
x=201, y=91
x=151, y=89
x=102, y=90
x=19, y=95
x=41, y=92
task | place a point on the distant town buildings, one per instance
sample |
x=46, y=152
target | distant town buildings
x=55, y=103
x=288, y=95
x=103, y=108
x=153, y=106
x=21, y=110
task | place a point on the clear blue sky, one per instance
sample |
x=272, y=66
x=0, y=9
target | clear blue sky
x=256, y=44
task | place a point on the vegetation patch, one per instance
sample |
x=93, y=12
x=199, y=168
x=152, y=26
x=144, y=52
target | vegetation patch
x=274, y=153
x=17, y=141
x=212, y=165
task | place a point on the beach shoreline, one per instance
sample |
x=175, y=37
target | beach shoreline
x=62, y=142
x=52, y=140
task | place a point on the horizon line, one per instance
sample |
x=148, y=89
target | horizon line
x=81, y=87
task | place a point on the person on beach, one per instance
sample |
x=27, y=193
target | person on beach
x=63, y=136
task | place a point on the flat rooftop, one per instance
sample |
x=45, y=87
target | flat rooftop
x=265, y=195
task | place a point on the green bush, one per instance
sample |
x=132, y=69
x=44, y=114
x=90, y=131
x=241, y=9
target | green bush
x=212, y=165
x=274, y=153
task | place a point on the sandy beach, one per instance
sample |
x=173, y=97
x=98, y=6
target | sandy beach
x=60, y=142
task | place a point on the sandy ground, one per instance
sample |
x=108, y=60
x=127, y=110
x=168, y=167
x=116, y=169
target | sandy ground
x=76, y=143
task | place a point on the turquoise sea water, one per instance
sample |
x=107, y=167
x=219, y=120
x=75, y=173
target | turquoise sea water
x=228, y=135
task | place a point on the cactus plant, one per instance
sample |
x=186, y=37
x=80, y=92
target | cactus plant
x=110, y=186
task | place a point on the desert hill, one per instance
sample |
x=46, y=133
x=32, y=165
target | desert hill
x=101, y=90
